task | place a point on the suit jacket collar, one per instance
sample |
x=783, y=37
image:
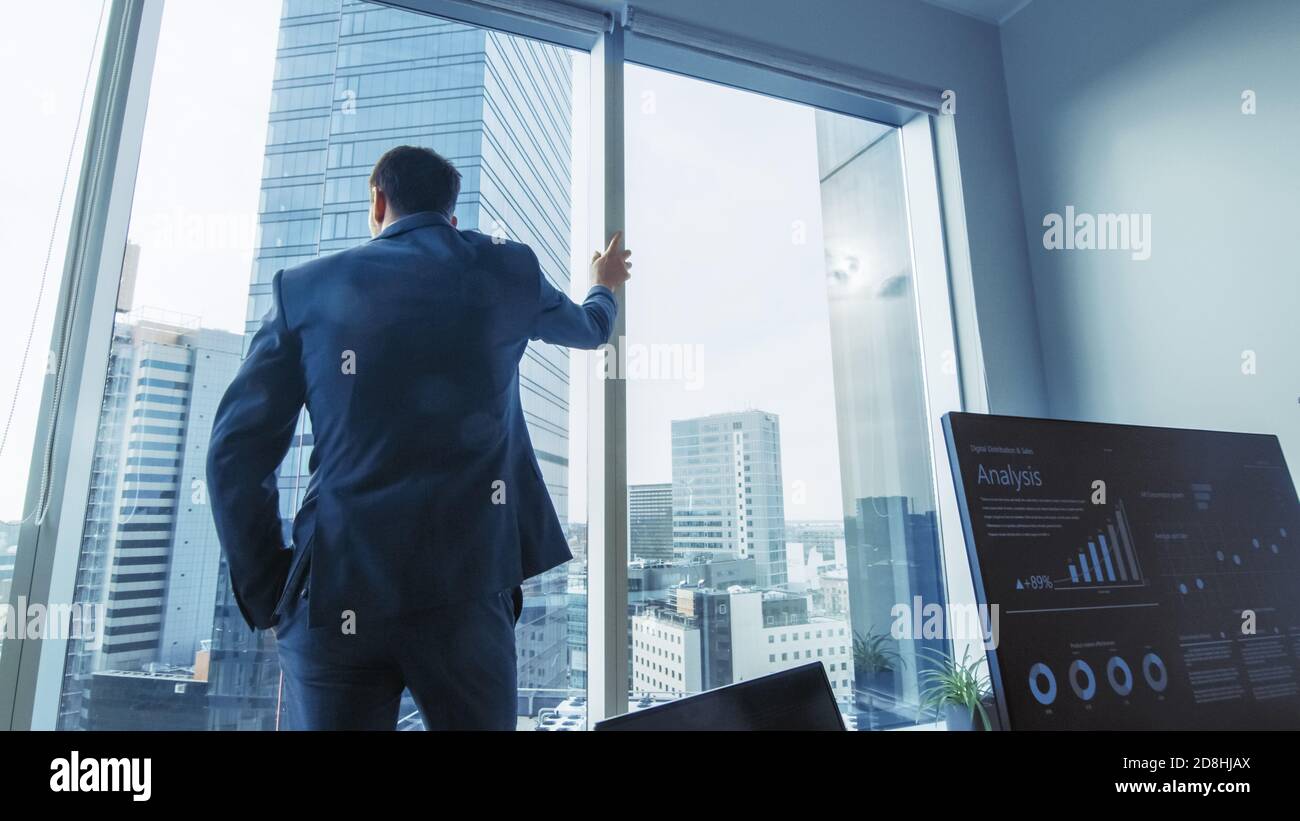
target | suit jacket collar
x=417, y=220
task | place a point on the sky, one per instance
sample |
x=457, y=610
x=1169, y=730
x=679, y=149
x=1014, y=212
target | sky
x=42, y=100
x=723, y=217
x=724, y=220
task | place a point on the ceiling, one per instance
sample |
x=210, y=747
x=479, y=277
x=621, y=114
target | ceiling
x=990, y=11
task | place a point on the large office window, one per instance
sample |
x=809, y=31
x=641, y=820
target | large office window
x=780, y=386
x=781, y=496
x=263, y=125
x=44, y=142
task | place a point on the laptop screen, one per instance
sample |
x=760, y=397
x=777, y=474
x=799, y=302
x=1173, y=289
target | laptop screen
x=796, y=699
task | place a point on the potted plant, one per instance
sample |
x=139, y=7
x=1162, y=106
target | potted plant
x=874, y=661
x=956, y=689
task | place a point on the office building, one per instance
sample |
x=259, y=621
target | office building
x=576, y=609
x=650, y=521
x=893, y=558
x=149, y=554
x=654, y=585
x=703, y=638
x=772, y=631
x=832, y=594
x=666, y=657
x=136, y=701
x=727, y=491
x=827, y=538
x=650, y=581
x=542, y=635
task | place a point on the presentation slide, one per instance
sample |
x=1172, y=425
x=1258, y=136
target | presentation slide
x=1144, y=577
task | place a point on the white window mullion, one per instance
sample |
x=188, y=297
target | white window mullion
x=607, y=627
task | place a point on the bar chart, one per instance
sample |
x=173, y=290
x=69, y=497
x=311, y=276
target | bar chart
x=1109, y=559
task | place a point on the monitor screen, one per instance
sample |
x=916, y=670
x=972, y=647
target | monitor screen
x=796, y=699
x=1142, y=577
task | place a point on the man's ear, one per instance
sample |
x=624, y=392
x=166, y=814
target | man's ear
x=453, y=220
x=378, y=205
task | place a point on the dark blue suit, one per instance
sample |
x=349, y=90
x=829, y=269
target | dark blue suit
x=425, y=489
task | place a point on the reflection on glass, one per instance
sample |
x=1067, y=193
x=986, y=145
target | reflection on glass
x=890, y=528
x=780, y=490
x=35, y=216
x=336, y=83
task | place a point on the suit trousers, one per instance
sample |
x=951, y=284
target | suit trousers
x=456, y=658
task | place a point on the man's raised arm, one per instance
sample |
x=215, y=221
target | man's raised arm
x=561, y=321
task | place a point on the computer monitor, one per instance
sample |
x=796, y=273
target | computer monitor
x=796, y=699
x=1143, y=577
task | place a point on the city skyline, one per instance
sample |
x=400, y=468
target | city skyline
x=198, y=230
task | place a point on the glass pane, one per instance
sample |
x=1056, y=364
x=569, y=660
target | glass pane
x=781, y=493
x=259, y=166
x=35, y=213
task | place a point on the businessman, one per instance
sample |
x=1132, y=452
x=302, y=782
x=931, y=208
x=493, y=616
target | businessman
x=426, y=508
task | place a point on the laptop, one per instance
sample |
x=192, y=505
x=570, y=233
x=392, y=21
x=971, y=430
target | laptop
x=796, y=699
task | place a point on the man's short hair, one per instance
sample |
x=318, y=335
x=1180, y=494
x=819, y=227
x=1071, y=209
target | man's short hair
x=414, y=179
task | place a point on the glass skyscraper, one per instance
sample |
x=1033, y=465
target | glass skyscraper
x=353, y=79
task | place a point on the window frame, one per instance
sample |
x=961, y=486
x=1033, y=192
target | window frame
x=31, y=671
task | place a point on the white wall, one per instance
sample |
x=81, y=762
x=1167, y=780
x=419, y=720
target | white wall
x=1122, y=106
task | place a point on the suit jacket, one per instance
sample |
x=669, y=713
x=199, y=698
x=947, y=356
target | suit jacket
x=424, y=484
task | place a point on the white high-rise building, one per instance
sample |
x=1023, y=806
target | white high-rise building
x=727, y=491
x=666, y=655
x=149, y=552
x=767, y=637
